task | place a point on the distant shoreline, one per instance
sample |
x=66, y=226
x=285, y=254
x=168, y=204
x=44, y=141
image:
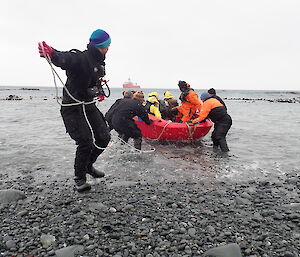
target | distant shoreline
x=2, y=87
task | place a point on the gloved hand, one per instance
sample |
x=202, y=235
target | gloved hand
x=47, y=49
x=100, y=98
x=149, y=122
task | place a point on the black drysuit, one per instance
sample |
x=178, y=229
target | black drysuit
x=121, y=116
x=83, y=70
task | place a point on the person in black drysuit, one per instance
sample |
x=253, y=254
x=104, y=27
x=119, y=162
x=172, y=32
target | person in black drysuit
x=214, y=110
x=84, y=71
x=122, y=118
x=110, y=112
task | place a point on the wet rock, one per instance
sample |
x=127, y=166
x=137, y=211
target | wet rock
x=11, y=195
x=230, y=250
x=95, y=207
x=69, y=251
x=11, y=244
x=47, y=240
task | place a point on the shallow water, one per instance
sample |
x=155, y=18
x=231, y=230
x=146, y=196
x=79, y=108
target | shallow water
x=264, y=142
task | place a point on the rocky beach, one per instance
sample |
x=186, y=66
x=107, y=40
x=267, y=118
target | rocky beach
x=136, y=218
x=180, y=200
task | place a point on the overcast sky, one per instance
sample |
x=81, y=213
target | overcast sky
x=233, y=44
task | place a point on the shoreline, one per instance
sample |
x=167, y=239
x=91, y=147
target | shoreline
x=127, y=218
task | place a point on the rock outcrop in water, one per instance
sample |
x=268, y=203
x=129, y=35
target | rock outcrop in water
x=279, y=100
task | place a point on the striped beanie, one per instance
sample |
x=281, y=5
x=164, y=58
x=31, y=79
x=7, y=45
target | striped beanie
x=100, y=39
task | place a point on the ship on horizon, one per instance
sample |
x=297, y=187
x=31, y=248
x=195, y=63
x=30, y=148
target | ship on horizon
x=129, y=84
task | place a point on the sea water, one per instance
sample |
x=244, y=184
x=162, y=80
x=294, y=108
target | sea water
x=264, y=141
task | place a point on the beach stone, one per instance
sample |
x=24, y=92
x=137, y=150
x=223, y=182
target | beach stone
x=47, y=240
x=122, y=184
x=242, y=201
x=230, y=250
x=11, y=244
x=11, y=195
x=192, y=232
x=95, y=207
x=69, y=251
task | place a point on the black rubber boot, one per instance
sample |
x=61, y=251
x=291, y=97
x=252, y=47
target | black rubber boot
x=81, y=185
x=137, y=143
x=223, y=145
x=94, y=172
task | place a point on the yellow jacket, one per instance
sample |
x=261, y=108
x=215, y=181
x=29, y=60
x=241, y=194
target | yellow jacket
x=152, y=107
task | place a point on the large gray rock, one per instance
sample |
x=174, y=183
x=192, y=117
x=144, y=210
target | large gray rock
x=69, y=251
x=11, y=195
x=230, y=250
x=47, y=240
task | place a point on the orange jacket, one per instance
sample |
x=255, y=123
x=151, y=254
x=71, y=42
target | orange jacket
x=207, y=106
x=189, y=106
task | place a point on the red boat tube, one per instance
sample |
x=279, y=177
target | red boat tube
x=173, y=131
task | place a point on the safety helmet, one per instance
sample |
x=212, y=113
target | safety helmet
x=168, y=95
x=153, y=94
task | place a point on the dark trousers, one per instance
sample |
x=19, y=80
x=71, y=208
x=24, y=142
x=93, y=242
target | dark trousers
x=218, y=136
x=78, y=129
x=128, y=129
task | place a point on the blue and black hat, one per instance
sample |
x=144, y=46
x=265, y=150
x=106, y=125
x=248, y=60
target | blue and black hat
x=100, y=39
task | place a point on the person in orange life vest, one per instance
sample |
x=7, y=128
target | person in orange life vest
x=190, y=102
x=212, y=92
x=216, y=111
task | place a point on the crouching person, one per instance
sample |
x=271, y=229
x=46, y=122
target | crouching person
x=213, y=109
x=122, y=119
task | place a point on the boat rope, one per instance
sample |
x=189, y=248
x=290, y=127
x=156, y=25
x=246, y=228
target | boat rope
x=163, y=130
x=135, y=149
x=83, y=103
x=191, y=130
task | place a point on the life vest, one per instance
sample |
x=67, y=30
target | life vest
x=147, y=107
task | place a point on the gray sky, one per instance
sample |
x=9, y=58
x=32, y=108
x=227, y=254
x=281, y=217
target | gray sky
x=233, y=44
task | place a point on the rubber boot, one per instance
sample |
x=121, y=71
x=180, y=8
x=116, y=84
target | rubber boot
x=94, y=172
x=81, y=185
x=137, y=142
x=223, y=145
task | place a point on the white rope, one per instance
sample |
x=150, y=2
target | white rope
x=83, y=103
x=191, y=133
x=78, y=102
x=163, y=130
x=133, y=148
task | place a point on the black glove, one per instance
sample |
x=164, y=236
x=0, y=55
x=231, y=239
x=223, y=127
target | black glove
x=149, y=122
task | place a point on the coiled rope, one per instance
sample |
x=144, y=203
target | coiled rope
x=83, y=103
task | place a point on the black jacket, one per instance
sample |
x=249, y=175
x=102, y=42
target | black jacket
x=109, y=114
x=125, y=110
x=83, y=70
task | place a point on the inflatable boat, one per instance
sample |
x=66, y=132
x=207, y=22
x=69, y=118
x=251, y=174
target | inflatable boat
x=172, y=131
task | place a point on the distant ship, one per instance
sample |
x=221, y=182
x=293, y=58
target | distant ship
x=129, y=84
